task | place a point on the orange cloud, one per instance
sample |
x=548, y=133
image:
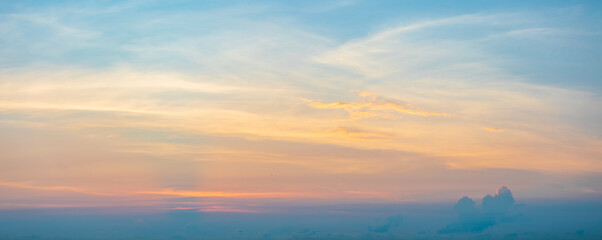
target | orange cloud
x=374, y=106
x=355, y=133
x=493, y=129
x=364, y=194
x=172, y=192
x=25, y=185
x=226, y=209
x=265, y=195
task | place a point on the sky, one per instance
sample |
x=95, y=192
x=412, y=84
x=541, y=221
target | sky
x=301, y=119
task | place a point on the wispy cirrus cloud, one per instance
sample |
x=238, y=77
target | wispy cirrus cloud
x=373, y=106
x=269, y=195
x=493, y=129
x=30, y=186
x=181, y=193
x=355, y=133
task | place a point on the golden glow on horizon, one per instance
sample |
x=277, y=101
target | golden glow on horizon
x=171, y=192
x=226, y=209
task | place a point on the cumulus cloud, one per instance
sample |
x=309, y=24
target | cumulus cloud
x=494, y=210
x=500, y=203
x=466, y=208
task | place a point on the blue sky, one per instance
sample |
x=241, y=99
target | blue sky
x=561, y=44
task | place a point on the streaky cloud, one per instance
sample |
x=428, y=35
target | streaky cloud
x=373, y=106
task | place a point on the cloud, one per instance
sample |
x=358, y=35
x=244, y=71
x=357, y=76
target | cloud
x=374, y=106
x=500, y=203
x=227, y=209
x=493, y=129
x=466, y=208
x=392, y=221
x=26, y=185
x=243, y=80
x=494, y=210
x=355, y=133
x=179, y=193
x=366, y=55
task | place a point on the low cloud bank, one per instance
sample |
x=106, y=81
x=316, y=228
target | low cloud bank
x=494, y=209
x=392, y=221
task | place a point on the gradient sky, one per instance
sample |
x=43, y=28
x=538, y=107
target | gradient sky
x=256, y=104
